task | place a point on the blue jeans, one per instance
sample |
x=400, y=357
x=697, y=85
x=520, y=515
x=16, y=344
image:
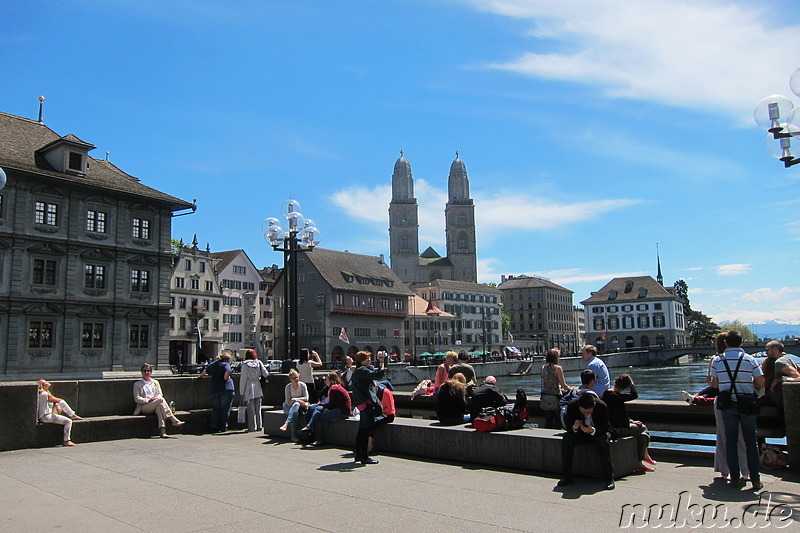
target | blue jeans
x=732, y=420
x=292, y=414
x=321, y=418
x=221, y=409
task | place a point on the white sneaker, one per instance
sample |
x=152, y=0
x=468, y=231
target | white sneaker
x=686, y=396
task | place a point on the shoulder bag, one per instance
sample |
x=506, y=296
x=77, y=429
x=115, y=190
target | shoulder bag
x=747, y=403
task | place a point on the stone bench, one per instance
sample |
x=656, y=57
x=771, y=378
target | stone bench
x=532, y=449
x=116, y=427
x=107, y=408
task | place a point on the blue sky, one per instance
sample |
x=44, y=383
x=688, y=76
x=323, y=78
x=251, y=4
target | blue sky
x=590, y=130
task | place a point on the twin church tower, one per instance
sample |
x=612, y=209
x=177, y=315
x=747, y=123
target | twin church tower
x=460, y=264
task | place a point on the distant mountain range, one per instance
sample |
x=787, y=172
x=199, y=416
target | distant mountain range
x=775, y=330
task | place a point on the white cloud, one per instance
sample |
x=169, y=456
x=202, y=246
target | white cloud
x=692, y=269
x=565, y=277
x=711, y=55
x=735, y=269
x=492, y=213
x=537, y=214
x=770, y=295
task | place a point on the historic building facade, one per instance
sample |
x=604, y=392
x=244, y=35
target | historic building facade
x=634, y=312
x=475, y=309
x=85, y=258
x=195, y=302
x=240, y=282
x=460, y=264
x=346, y=302
x=541, y=314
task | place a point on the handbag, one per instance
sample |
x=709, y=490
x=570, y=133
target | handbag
x=241, y=412
x=748, y=404
x=549, y=402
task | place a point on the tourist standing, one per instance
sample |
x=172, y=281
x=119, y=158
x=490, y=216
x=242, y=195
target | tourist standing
x=553, y=387
x=365, y=398
x=222, y=391
x=307, y=362
x=738, y=374
x=252, y=371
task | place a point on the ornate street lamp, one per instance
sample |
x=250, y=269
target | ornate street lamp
x=777, y=115
x=301, y=235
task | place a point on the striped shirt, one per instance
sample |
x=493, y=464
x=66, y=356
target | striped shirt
x=748, y=370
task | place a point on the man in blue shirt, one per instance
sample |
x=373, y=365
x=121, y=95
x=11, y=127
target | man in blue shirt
x=747, y=378
x=596, y=365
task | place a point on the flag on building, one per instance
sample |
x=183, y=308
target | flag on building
x=510, y=338
x=343, y=336
x=199, y=337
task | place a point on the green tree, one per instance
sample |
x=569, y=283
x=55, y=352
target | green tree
x=505, y=321
x=701, y=329
x=736, y=325
x=175, y=244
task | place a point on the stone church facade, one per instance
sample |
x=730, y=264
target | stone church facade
x=460, y=262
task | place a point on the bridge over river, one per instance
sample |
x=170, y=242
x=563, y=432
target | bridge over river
x=661, y=355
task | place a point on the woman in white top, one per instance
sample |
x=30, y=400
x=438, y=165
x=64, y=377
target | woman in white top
x=252, y=371
x=149, y=399
x=51, y=410
x=295, y=400
x=305, y=367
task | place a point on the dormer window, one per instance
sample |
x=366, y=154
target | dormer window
x=612, y=295
x=75, y=162
x=628, y=286
x=67, y=154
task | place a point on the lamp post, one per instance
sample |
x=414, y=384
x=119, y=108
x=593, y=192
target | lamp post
x=781, y=119
x=301, y=235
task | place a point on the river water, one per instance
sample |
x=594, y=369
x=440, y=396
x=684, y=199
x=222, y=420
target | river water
x=652, y=382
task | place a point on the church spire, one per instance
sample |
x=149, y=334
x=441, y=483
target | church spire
x=659, y=277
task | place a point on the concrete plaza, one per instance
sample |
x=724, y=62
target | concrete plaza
x=248, y=482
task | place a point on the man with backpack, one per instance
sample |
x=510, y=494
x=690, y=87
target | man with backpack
x=587, y=422
x=736, y=375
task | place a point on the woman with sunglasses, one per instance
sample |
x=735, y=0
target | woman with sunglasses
x=149, y=399
x=295, y=400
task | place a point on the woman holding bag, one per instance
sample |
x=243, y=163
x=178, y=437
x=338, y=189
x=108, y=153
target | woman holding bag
x=553, y=387
x=252, y=370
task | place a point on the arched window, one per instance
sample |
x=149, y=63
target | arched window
x=629, y=342
x=403, y=216
x=645, y=341
x=462, y=242
x=660, y=340
x=404, y=242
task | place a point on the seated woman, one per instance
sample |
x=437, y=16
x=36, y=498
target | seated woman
x=337, y=406
x=451, y=401
x=149, y=399
x=295, y=401
x=622, y=425
x=51, y=410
